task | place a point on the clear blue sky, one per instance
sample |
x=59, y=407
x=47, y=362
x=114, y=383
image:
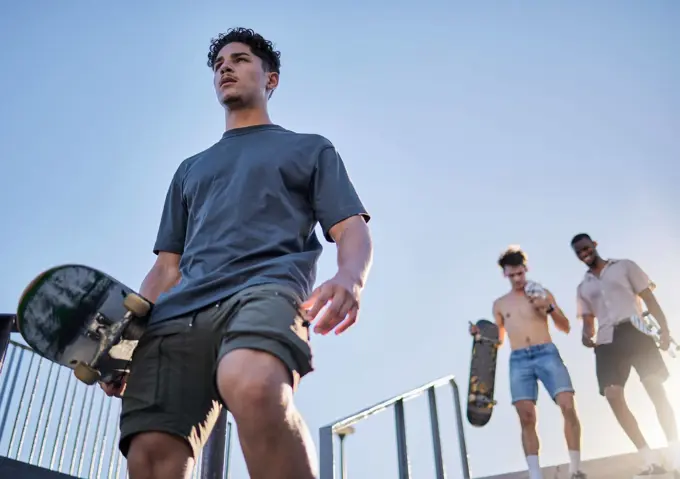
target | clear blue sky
x=466, y=127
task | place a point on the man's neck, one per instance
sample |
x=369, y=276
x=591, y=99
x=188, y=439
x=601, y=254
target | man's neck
x=242, y=118
x=598, y=266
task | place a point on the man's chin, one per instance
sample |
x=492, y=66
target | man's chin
x=230, y=100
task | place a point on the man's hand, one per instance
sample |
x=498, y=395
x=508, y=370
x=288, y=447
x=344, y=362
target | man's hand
x=664, y=340
x=587, y=341
x=474, y=329
x=343, y=293
x=542, y=305
x=116, y=389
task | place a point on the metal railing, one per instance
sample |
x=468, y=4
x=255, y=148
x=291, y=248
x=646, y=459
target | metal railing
x=50, y=419
x=341, y=427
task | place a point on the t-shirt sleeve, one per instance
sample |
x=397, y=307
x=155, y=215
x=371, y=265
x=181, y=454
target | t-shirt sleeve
x=173, y=225
x=637, y=277
x=334, y=198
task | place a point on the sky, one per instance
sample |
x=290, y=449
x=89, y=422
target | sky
x=465, y=126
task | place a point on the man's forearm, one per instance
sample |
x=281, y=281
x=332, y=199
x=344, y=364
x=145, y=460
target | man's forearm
x=588, y=326
x=157, y=281
x=656, y=312
x=355, y=252
x=560, y=320
x=654, y=308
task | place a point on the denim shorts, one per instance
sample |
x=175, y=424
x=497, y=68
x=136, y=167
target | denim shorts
x=539, y=362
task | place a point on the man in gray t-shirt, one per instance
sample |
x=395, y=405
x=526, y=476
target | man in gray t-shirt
x=232, y=284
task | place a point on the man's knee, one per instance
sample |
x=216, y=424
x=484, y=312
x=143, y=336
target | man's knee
x=566, y=403
x=527, y=413
x=253, y=383
x=615, y=397
x=156, y=454
x=655, y=389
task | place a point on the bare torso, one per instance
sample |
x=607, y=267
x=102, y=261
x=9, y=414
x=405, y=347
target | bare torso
x=523, y=324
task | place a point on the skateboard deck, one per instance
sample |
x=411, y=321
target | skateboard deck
x=83, y=319
x=648, y=324
x=482, y=373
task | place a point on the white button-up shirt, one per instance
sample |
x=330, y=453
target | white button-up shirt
x=613, y=297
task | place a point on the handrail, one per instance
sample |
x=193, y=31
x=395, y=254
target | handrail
x=327, y=432
x=51, y=420
x=379, y=407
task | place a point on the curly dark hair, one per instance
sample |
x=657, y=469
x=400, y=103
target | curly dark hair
x=261, y=48
x=512, y=257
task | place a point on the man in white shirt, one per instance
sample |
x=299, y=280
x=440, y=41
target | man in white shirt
x=612, y=291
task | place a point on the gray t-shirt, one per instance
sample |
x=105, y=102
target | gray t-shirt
x=243, y=213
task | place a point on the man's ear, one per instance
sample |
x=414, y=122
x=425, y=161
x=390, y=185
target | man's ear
x=272, y=81
x=595, y=244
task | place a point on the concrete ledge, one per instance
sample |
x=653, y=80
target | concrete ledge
x=9, y=468
x=623, y=466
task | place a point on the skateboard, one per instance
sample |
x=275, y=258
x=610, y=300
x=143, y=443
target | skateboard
x=648, y=325
x=84, y=319
x=482, y=373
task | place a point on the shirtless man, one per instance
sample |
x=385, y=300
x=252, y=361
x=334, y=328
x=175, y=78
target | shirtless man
x=534, y=357
x=612, y=291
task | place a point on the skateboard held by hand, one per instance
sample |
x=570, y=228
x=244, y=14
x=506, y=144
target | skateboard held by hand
x=482, y=372
x=84, y=319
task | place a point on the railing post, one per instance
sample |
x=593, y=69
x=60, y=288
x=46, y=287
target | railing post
x=326, y=459
x=461, y=432
x=213, y=455
x=402, y=449
x=227, y=453
x=436, y=438
x=6, y=323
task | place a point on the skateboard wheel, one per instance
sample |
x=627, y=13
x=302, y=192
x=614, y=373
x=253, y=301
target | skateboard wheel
x=472, y=397
x=137, y=305
x=86, y=374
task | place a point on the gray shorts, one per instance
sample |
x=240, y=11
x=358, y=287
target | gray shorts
x=172, y=387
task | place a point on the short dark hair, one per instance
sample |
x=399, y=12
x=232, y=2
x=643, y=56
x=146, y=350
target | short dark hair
x=261, y=48
x=512, y=256
x=579, y=237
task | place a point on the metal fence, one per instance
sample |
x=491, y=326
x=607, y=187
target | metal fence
x=343, y=427
x=50, y=419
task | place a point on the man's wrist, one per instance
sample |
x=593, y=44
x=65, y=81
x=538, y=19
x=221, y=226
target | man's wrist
x=352, y=277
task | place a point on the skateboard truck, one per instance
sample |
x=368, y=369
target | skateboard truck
x=137, y=307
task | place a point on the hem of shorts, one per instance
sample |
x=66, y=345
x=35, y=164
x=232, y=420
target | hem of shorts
x=140, y=430
x=563, y=390
x=533, y=400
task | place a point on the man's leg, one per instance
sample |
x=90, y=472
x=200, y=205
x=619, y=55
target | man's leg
x=274, y=438
x=526, y=411
x=651, y=368
x=554, y=375
x=170, y=404
x=613, y=365
x=264, y=353
x=524, y=392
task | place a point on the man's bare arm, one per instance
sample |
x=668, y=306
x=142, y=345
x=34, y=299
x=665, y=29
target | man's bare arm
x=588, y=329
x=559, y=318
x=498, y=318
x=162, y=276
x=653, y=307
x=355, y=249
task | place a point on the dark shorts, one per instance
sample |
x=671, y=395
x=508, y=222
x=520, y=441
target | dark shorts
x=630, y=348
x=172, y=387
